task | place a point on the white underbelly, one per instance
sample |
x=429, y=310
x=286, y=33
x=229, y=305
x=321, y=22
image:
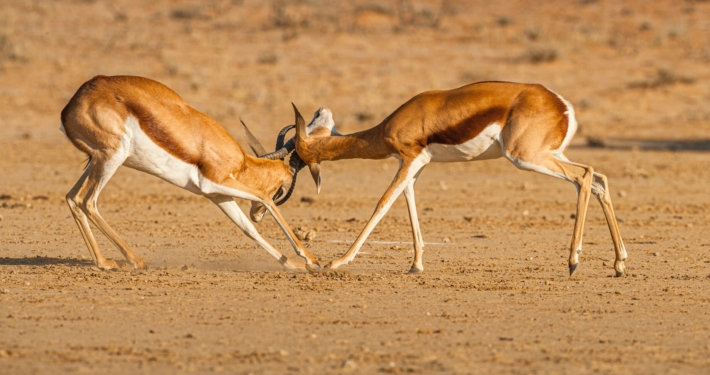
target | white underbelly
x=483, y=146
x=144, y=155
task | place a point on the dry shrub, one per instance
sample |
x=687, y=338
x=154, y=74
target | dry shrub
x=411, y=14
x=663, y=78
x=8, y=51
x=268, y=57
x=539, y=55
x=194, y=13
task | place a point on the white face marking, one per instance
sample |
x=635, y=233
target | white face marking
x=322, y=118
x=482, y=147
x=571, y=124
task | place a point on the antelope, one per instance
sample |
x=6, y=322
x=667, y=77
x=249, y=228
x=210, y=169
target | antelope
x=144, y=125
x=527, y=124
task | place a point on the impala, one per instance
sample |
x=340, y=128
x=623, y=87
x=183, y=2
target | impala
x=526, y=123
x=144, y=125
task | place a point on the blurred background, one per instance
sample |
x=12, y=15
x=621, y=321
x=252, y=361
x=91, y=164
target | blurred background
x=497, y=277
x=632, y=69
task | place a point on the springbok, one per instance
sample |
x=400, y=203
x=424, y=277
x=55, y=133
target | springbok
x=526, y=123
x=144, y=125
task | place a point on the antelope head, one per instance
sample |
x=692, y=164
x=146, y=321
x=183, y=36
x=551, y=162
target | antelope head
x=321, y=126
x=281, y=193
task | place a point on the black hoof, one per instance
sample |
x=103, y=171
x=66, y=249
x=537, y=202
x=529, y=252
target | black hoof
x=572, y=268
x=414, y=270
x=312, y=268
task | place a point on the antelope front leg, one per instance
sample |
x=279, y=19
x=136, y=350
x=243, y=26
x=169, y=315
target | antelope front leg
x=311, y=261
x=232, y=210
x=407, y=172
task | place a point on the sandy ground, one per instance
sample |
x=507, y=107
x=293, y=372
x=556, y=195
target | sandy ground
x=495, y=296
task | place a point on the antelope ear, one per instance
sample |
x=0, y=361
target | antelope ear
x=315, y=172
x=252, y=141
x=301, y=132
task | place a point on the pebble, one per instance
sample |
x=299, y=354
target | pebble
x=656, y=254
x=349, y=364
x=305, y=235
x=1, y=218
x=27, y=283
x=621, y=193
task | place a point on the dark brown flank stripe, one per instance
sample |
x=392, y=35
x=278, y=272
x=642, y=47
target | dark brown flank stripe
x=155, y=132
x=468, y=128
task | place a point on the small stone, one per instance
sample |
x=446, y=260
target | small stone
x=1, y=218
x=573, y=216
x=656, y=254
x=27, y=283
x=468, y=218
x=184, y=267
x=349, y=364
x=307, y=200
x=305, y=235
x=283, y=353
x=526, y=213
x=621, y=193
x=312, y=336
x=443, y=185
x=548, y=282
x=446, y=240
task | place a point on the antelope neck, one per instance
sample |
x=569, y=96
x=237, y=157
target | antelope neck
x=367, y=144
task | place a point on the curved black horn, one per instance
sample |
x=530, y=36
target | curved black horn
x=282, y=152
x=281, y=138
x=296, y=165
